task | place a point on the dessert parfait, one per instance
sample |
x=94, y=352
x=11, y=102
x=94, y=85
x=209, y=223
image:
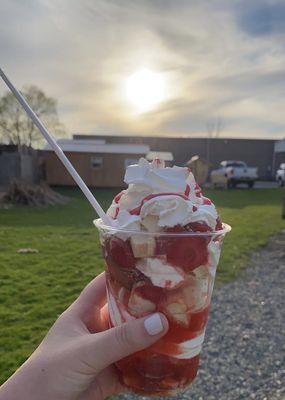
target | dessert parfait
x=161, y=255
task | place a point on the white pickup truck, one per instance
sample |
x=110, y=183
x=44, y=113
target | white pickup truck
x=235, y=172
x=280, y=175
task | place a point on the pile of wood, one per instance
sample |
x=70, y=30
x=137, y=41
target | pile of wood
x=23, y=193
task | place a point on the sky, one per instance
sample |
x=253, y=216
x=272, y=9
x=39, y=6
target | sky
x=221, y=61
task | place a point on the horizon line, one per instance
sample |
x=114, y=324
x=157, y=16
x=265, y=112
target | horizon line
x=173, y=136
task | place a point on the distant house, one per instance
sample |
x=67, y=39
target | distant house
x=98, y=163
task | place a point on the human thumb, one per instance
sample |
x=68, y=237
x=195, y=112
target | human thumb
x=104, y=348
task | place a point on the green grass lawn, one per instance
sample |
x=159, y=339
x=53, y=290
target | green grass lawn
x=36, y=288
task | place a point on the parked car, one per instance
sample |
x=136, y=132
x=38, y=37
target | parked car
x=280, y=175
x=235, y=172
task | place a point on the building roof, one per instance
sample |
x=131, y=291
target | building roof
x=92, y=146
x=191, y=135
x=163, y=155
x=82, y=141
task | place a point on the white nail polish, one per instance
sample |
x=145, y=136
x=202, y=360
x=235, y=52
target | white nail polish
x=153, y=324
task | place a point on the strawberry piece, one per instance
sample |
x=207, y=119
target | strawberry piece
x=118, y=196
x=207, y=201
x=163, y=242
x=199, y=226
x=153, y=365
x=156, y=374
x=153, y=293
x=176, y=229
x=186, y=370
x=187, y=190
x=158, y=163
x=121, y=252
x=165, y=347
x=219, y=224
x=198, y=190
x=178, y=333
x=187, y=252
x=124, y=277
x=118, y=275
x=198, y=320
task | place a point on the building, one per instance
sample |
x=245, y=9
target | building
x=19, y=162
x=255, y=152
x=101, y=159
x=99, y=164
x=279, y=154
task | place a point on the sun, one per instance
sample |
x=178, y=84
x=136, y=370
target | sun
x=145, y=89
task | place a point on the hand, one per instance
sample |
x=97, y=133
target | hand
x=75, y=359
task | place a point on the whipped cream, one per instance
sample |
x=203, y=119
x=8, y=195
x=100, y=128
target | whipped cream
x=214, y=249
x=156, y=177
x=114, y=312
x=169, y=210
x=160, y=273
x=118, y=314
x=190, y=348
x=206, y=213
x=160, y=197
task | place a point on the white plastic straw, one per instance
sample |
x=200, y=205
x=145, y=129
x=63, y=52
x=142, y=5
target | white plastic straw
x=57, y=150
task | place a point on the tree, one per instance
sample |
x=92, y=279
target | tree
x=214, y=128
x=17, y=128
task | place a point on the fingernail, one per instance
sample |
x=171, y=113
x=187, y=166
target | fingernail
x=153, y=324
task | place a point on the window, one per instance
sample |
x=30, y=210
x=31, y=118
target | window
x=96, y=162
x=236, y=164
x=130, y=161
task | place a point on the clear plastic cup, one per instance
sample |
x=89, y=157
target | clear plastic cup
x=169, y=272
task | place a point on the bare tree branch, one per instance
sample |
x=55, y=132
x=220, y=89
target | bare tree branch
x=214, y=127
x=16, y=127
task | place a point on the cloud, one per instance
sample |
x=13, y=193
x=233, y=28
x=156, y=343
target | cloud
x=219, y=58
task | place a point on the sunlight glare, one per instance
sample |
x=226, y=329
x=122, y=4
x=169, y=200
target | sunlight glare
x=145, y=89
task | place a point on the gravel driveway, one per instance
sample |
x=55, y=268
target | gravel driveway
x=244, y=352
